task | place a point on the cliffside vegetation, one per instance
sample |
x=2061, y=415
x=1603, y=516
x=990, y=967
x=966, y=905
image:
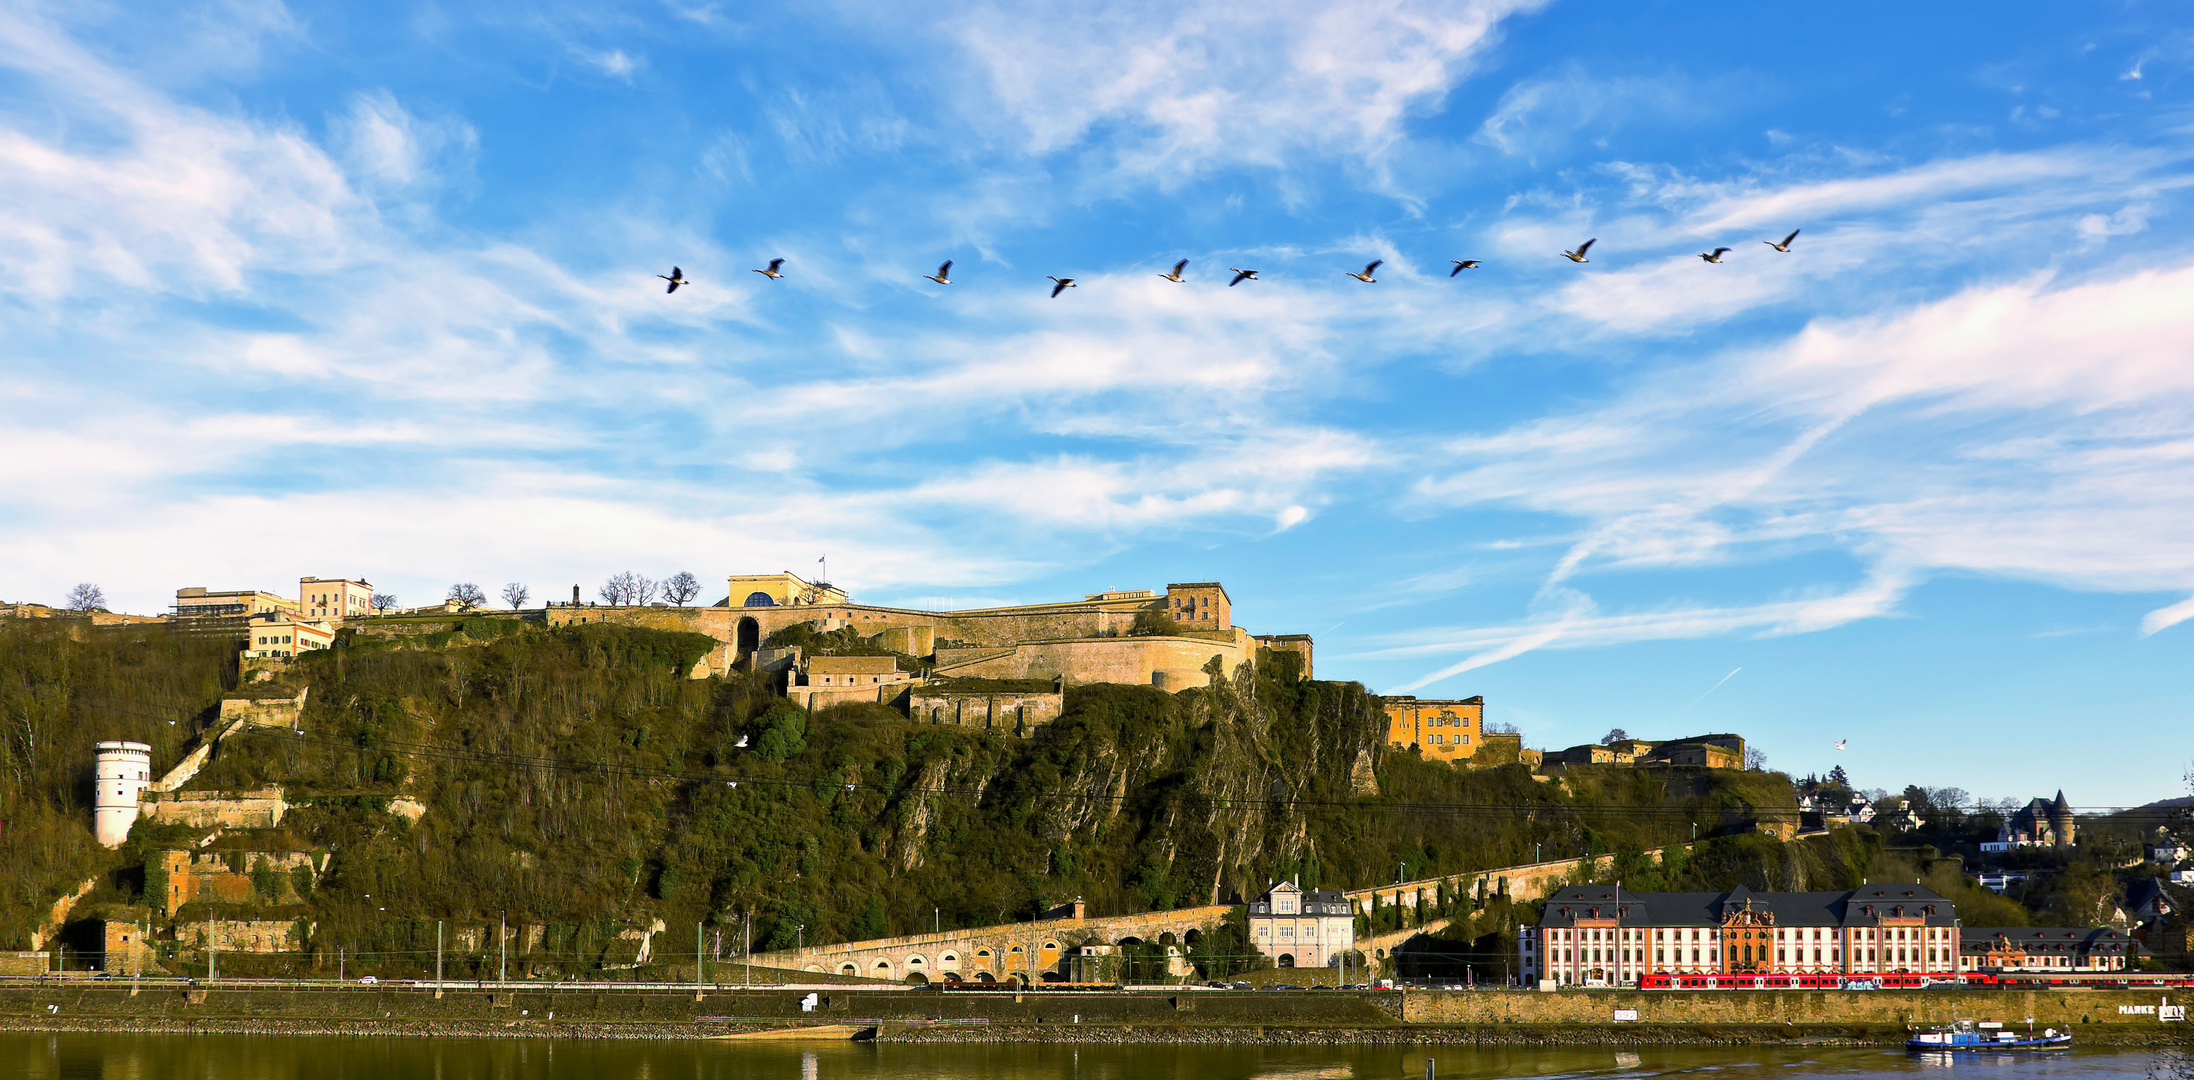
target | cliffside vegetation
x=575, y=780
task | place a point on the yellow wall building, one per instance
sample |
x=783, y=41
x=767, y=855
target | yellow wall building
x=1443, y=730
x=198, y=602
x=335, y=599
x=278, y=635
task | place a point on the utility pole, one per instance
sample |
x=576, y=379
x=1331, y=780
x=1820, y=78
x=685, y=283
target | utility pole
x=502, y=943
x=339, y=965
x=213, y=950
x=438, y=958
x=700, y=941
x=746, y=953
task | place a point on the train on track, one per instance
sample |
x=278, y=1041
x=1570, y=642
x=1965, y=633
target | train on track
x=2101, y=980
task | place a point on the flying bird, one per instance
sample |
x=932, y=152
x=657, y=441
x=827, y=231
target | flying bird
x=1176, y=274
x=1715, y=255
x=1240, y=276
x=1840, y=743
x=1578, y=255
x=1366, y=277
x=772, y=271
x=943, y=276
x=1061, y=285
x=676, y=277
x=1462, y=265
x=1784, y=247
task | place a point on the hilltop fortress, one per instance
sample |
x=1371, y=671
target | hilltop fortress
x=1173, y=641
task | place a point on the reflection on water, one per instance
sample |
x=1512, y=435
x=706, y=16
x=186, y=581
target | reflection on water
x=235, y=1057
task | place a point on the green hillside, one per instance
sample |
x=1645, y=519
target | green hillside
x=574, y=779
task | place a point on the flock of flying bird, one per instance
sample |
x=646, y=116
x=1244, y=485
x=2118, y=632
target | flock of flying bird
x=943, y=276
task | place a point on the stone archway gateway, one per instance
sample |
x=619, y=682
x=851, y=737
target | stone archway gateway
x=749, y=635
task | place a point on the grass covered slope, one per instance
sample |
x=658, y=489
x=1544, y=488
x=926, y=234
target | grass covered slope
x=574, y=779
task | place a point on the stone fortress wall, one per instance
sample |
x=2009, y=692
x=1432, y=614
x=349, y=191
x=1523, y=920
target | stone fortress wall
x=1085, y=641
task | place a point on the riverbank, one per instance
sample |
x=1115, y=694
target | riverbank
x=2114, y=1018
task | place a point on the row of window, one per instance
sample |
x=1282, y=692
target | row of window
x=1785, y=934
x=1287, y=933
x=1460, y=740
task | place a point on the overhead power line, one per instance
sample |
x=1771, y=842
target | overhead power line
x=550, y=763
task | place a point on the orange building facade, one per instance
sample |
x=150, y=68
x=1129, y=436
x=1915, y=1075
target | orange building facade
x=1442, y=730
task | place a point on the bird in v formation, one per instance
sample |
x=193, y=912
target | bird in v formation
x=943, y=276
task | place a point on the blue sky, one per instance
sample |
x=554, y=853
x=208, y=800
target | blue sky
x=367, y=290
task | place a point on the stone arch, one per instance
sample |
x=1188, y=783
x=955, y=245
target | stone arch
x=1014, y=951
x=1287, y=959
x=949, y=958
x=985, y=977
x=917, y=962
x=1018, y=978
x=816, y=968
x=1129, y=939
x=916, y=978
x=847, y=968
x=882, y=970
x=749, y=637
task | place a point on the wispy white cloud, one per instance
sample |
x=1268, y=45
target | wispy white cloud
x=615, y=63
x=1578, y=624
x=1549, y=112
x=2164, y=618
x=1183, y=87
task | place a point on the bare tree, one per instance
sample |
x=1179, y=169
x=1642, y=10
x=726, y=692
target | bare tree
x=681, y=588
x=1755, y=759
x=86, y=597
x=628, y=589
x=516, y=594
x=383, y=602
x=1613, y=736
x=468, y=594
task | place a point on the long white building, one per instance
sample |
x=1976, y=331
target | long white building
x=1599, y=935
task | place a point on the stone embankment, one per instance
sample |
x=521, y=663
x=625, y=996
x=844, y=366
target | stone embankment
x=1143, y=1016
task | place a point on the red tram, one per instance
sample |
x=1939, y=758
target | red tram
x=1782, y=980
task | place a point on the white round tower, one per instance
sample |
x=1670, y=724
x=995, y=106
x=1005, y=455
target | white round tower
x=125, y=768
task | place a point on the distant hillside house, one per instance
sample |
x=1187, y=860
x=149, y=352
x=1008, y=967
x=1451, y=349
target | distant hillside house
x=277, y=635
x=1299, y=928
x=1441, y=730
x=1723, y=751
x=334, y=599
x=2040, y=823
x=1604, y=935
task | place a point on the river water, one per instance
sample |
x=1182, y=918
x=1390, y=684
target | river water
x=242, y=1057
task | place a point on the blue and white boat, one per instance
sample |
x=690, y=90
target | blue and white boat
x=1968, y=1035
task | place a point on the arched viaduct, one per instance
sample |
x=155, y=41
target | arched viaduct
x=1017, y=952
